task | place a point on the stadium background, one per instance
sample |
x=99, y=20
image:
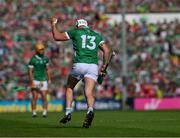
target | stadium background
x=153, y=50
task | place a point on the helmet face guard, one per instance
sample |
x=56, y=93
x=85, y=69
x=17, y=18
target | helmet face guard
x=81, y=22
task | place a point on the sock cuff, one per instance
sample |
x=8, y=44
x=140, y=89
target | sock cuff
x=90, y=109
x=68, y=110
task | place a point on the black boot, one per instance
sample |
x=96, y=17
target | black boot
x=65, y=119
x=88, y=120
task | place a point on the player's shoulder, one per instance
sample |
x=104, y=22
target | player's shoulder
x=33, y=57
x=46, y=58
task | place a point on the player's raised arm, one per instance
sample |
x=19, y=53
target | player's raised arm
x=58, y=36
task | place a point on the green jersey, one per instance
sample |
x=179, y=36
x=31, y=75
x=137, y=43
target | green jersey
x=85, y=44
x=39, y=67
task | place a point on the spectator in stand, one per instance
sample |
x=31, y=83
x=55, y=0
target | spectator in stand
x=153, y=48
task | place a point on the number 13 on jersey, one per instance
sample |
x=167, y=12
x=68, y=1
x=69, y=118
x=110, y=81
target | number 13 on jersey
x=88, y=42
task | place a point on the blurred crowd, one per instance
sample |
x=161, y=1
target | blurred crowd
x=141, y=6
x=153, y=50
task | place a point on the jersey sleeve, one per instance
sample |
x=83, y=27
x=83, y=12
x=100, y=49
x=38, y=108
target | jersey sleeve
x=101, y=41
x=71, y=34
x=31, y=63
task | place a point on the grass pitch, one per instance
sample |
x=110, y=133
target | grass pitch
x=105, y=124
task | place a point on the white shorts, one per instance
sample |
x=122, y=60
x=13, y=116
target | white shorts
x=41, y=85
x=81, y=70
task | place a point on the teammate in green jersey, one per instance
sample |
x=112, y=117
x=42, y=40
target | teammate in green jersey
x=37, y=71
x=86, y=43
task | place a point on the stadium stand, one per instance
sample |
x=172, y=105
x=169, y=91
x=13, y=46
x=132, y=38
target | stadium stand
x=153, y=48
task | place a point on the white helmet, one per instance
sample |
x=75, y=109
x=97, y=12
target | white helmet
x=81, y=22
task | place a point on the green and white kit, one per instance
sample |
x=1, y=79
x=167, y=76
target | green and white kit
x=85, y=44
x=39, y=65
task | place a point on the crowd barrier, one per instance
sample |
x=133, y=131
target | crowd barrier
x=157, y=104
x=105, y=104
x=25, y=106
x=55, y=105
